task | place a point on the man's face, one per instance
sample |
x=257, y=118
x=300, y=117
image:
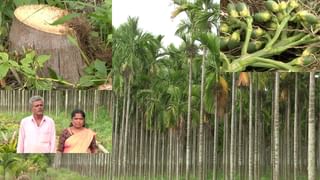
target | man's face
x=37, y=107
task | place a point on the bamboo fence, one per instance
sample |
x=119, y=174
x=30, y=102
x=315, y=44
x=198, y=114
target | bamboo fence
x=57, y=101
x=97, y=165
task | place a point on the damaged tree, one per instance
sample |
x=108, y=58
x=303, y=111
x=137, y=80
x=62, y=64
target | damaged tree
x=31, y=28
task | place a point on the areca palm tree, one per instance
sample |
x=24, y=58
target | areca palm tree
x=164, y=95
x=211, y=42
x=185, y=31
x=295, y=129
x=215, y=140
x=232, y=143
x=250, y=175
x=276, y=167
x=133, y=52
x=311, y=129
x=202, y=15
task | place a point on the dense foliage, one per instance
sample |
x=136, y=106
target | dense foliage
x=157, y=76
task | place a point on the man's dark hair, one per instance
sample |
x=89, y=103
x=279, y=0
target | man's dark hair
x=78, y=111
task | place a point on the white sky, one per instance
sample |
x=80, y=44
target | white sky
x=154, y=17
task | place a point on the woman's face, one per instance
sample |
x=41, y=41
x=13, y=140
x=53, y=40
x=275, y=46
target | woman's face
x=78, y=120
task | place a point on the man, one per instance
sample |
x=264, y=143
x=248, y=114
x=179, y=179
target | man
x=37, y=132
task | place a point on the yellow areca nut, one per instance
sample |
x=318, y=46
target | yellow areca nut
x=258, y=32
x=293, y=4
x=232, y=10
x=242, y=9
x=224, y=28
x=263, y=16
x=272, y=6
x=307, y=17
x=283, y=5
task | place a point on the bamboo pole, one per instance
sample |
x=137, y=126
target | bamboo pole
x=66, y=102
x=95, y=105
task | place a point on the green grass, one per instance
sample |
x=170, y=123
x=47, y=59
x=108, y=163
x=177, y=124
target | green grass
x=153, y=178
x=266, y=176
x=53, y=174
x=220, y=176
x=61, y=174
x=36, y=167
x=9, y=123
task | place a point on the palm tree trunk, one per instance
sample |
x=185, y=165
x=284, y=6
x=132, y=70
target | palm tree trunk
x=276, y=167
x=311, y=130
x=155, y=150
x=126, y=129
x=131, y=143
x=272, y=133
x=228, y=147
x=255, y=149
x=225, y=147
x=163, y=155
x=203, y=70
x=262, y=149
x=141, y=153
x=149, y=156
x=170, y=155
x=177, y=155
x=250, y=175
x=135, y=142
x=189, y=121
x=246, y=153
x=215, y=138
x=288, y=163
x=318, y=148
x=121, y=146
x=233, y=127
x=240, y=161
x=115, y=146
x=282, y=161
x=194, y=154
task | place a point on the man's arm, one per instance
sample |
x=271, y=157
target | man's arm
x=53, y=139
x=20, y=146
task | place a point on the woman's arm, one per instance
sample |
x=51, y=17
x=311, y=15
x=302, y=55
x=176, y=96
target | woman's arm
x=65, y=134
x=93, y=145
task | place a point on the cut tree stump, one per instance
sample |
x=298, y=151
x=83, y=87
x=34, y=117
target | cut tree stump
x=31, y=29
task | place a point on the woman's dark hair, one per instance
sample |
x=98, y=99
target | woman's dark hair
x=78, y=111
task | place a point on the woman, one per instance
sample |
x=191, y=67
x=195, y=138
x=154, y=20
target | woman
x=77, y=138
